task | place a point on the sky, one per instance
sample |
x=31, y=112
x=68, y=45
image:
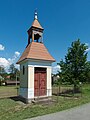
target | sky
x=64, y=21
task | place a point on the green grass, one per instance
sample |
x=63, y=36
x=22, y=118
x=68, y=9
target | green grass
x=11, y=110
x=8, y=91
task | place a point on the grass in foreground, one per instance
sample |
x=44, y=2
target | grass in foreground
x=10, y=109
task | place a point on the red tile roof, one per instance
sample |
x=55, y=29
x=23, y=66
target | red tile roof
x=37, y=51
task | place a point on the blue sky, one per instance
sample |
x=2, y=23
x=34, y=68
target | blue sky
x=64, y=21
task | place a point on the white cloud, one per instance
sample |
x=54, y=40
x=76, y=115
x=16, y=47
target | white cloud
x=4, y=62
x=2, y=47
x=11, y=60
x=15, y=56
x=17, y=66
x=86, y=44
x=87, y=50
x=17, y=53
x=55, y=69
x=7, y=62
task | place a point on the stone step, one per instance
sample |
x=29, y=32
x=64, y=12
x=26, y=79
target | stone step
x=42, y=100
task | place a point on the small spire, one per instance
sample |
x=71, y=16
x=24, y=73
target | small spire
x=35, y=14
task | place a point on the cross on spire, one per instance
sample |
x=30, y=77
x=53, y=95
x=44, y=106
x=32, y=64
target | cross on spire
x=35, y=14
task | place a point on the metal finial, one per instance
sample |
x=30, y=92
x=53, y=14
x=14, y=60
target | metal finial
x=35, y=14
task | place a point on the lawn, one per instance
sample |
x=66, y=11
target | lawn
x=8, y=91
x=14, y=110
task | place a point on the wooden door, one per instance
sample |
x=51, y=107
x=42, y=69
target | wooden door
x=40, y=82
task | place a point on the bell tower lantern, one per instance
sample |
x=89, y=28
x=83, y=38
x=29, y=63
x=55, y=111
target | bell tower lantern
x=35, y=32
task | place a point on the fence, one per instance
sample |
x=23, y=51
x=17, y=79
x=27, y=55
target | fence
x=51, y=94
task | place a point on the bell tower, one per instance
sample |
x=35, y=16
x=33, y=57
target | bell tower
x=35, y=32
x=35, y=66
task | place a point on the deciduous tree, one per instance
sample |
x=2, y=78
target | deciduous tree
x=73, y=67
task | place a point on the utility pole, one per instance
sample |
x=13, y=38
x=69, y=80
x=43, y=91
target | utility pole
x=16, y=79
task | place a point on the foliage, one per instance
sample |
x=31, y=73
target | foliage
x=12, y=69
x=2, y=70
x=1, y=80
x=87, y=73
x=73, y=69
x=13, y=72
x=2, y=74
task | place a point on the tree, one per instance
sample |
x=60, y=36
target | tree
x=73, y=68
x=17, y=74
x=2, y=69
x=12, y=69
x=13, y=72
x=2, y=74
x=87, y=72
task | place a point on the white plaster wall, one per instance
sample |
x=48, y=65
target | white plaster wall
x=27, y=80
x=23, y=92
x=49, y=86
x=39, y=63
x=30, y=82
x=24, y=78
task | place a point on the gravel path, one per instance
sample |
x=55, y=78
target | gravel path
x=77, y=113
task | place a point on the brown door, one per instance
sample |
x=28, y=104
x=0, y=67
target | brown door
x=40, y=82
